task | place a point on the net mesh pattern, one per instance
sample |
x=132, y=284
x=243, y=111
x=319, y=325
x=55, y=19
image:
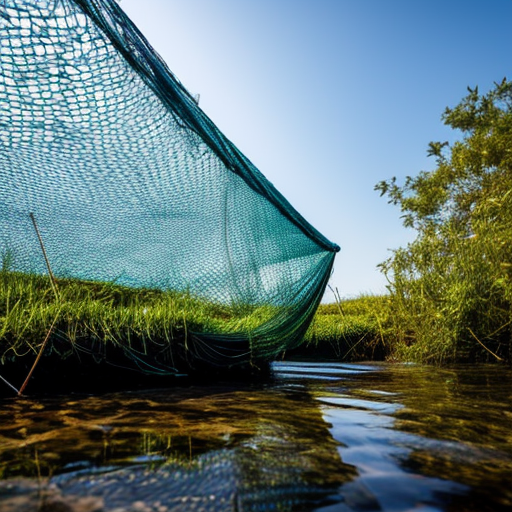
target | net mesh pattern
x=131, y=182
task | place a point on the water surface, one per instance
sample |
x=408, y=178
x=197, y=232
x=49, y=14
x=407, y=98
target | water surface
x=317, y=436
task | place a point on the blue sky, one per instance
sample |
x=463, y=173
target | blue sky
x=329, y=97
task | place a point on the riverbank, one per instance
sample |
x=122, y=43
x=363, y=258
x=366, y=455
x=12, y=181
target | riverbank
x=84, y=328
x=109, y=331
x=350, y=330
x=371, y=327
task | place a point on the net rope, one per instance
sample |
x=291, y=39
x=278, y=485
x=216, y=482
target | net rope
x=130, y=181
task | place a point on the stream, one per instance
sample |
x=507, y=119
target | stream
x=326, y=437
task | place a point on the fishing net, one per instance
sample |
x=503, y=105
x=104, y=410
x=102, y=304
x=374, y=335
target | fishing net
x=130, y=182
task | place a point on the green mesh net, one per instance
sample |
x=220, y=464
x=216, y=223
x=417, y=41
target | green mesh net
x=130, y=182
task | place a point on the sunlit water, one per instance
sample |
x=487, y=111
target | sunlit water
x=317, y=436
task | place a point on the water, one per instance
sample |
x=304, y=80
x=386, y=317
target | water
x=325, y=437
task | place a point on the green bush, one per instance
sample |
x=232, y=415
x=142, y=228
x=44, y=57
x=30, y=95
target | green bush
x=451, y=288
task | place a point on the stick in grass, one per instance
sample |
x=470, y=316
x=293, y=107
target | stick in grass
x=488, y=350
x=52, y=277
x=54, y=286
x=41, y=350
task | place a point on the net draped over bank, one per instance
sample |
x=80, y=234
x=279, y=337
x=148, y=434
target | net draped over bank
x=130, y=182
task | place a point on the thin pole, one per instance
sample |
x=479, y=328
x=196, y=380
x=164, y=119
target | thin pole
x=9, y=384
x=54, y=286
x=488, y=350
x=41, y=350
x=52, y=277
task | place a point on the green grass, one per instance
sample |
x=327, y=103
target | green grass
x=352, y=329
x=110, y=314
x=107, y=313
x=364, y=328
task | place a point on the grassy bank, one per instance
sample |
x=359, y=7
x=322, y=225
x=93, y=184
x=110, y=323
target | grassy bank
x=108, y=322
x=85, y=323
x=90, y=333
x=392, y=328
x=28, y=306
x=124, y=317
x=351, y=330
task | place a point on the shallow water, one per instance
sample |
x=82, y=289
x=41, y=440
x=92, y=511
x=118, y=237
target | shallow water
x=317, y=436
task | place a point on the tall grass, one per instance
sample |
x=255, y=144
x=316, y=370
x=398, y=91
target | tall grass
x=106, y=313
x=109, y=315
x=351, y=329
x=452, y=298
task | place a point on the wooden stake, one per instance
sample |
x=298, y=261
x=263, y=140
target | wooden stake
x=52, y=277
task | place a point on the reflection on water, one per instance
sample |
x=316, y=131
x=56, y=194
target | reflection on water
x=326, y=437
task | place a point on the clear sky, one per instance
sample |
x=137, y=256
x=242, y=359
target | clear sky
x=329, y=97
